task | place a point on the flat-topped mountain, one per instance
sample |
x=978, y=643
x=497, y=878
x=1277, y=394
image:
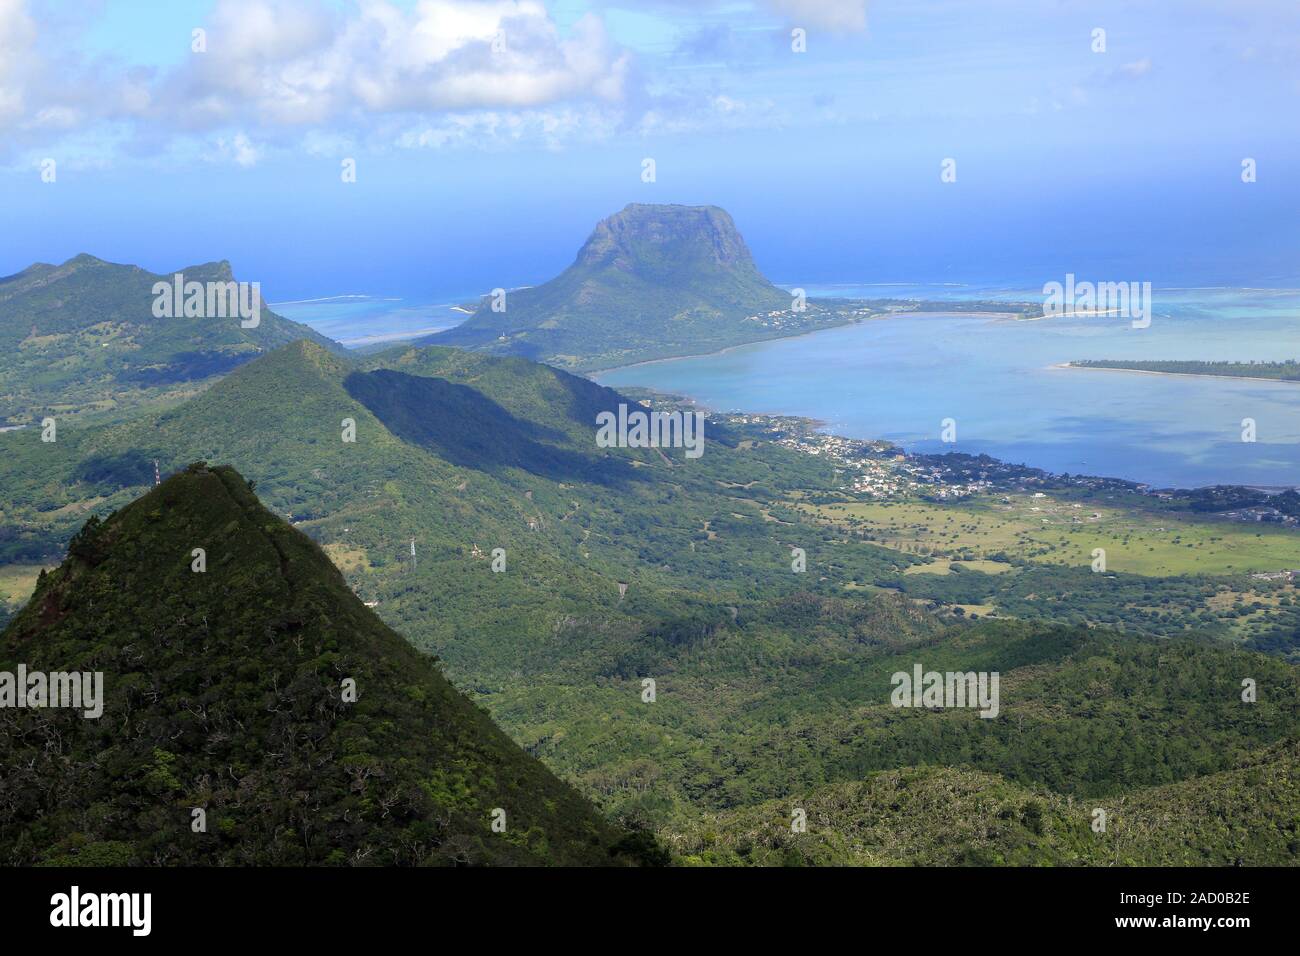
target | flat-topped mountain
x=695, y=245
x=651, y=280
x=663, y=281
x=261, y=692
x=85, y=336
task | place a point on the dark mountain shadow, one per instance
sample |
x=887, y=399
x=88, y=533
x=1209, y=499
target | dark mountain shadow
x=188, y=366
x=114, y=470
x=533, y=351
x=589, y=398
x=468, y=429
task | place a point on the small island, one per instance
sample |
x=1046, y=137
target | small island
x=1288, y=371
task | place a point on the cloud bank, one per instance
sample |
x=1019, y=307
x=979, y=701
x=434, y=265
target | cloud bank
x=268, y=70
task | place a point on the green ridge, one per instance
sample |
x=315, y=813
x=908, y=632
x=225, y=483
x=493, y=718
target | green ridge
x=81, y=338
x=223, y=690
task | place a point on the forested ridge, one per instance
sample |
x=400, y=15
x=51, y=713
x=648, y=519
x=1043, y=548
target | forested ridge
x=258, y=692
x=771, y=685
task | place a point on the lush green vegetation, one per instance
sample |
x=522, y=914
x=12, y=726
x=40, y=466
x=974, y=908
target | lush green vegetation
x=1168, y=573
x=226, y=691
x=945, y=816
x=1288, y=371
x=771, y=685
x=1065, y=530
x=1220, y=498
x=81, y=338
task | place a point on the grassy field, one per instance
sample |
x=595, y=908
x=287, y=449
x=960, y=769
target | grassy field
x=945, y=566
x=1059, y=531
x=17, y=581
x=346, y=559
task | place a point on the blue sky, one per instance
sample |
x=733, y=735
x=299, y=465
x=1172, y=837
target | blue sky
x=480, y=166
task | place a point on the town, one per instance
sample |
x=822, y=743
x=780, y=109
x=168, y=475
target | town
x=881, y=470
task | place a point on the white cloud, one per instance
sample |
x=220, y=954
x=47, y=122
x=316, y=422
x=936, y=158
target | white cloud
x=716, y=112
x=553, y=128
x=57, y=118
x=1137, y=68
x=848, y=15
x=240, y=150
x=292, y=73
x=17, y=33
x=282, y=62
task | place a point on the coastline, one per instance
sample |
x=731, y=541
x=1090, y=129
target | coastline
x=822, y=424
x=797, y=335
x=1147, y=371
x=722, y=351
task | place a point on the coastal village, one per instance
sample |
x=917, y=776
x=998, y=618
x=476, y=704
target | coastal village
x=881, y=470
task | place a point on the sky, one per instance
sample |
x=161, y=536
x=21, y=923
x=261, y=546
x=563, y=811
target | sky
x=489, y=136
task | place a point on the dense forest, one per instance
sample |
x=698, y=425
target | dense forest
x=80, y=339
x=554, y=578
x=255, y=713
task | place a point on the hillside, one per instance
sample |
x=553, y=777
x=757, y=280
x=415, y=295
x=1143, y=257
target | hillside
x=539, y=393
x=494, y=453
x=651, y=281
x=942, y=816
x=771, y=685
x=659, y=281
x=82, y=337
x=227, y=691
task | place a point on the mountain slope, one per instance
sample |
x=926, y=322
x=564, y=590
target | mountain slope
x=659, y=281
x=506, y=459
x=944, y=816
x=225, y=690
x=552, y=399
x=82, y=337
x=771, y=685
x=650, y=281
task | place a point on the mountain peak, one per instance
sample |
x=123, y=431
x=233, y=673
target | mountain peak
x=641, y=233
x=651, y=280
x=219, y=270
x=311, y=351
x=238, y=674
x=82, y=261
x=84, y=335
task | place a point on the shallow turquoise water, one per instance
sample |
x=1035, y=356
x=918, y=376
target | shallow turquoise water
x=357, y=320
x=899, y=378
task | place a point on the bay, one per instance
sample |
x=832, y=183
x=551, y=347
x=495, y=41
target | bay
x=898, y=378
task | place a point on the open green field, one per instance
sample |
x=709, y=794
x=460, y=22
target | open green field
x=17, y=581
x=945, y=566
x=1059, y=531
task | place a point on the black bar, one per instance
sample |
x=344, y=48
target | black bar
x=214, y=906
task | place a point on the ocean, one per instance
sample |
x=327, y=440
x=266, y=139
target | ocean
x=360, y=320
x=900, y=378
